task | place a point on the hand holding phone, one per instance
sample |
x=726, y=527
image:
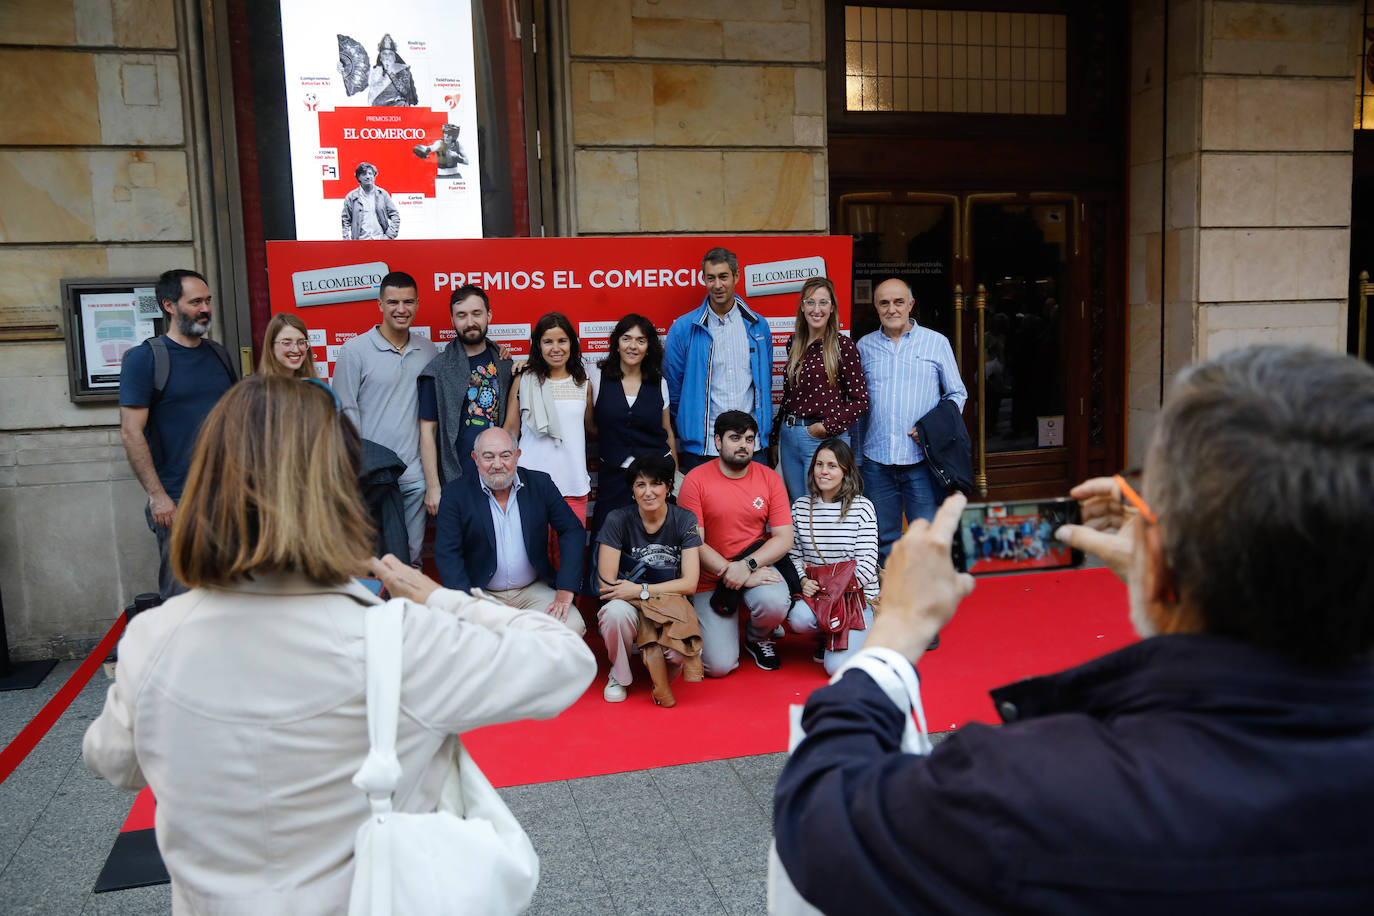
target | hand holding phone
x=1018, y=536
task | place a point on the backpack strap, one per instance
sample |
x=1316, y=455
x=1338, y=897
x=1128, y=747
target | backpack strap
x=162, y=367
x=162, y=363
x=225, y=359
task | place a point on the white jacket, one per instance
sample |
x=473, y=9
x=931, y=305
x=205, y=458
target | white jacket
x=245, y=711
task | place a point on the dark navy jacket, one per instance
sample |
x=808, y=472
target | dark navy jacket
x=465, y=538
x=947, y=446
x=1182, y=774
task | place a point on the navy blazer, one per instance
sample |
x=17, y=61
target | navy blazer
x=465, y=537
x=949, y=452
x=1182, y=774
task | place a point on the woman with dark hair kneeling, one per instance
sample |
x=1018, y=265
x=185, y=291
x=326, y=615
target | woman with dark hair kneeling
x=648, y=564
x=242, y=703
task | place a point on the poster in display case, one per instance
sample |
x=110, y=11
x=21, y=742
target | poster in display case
x=104, y=318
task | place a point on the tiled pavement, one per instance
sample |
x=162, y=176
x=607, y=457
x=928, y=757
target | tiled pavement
x=682, y=840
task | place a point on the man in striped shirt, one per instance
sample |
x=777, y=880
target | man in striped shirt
x=909, y=369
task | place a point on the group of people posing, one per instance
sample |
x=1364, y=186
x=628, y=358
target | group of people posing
x=496, y=449
x=1164, y=775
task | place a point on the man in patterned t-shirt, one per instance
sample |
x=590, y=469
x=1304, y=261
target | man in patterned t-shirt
x=462, y=392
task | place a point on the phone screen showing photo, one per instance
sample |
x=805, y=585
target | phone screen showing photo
x=1015, y=537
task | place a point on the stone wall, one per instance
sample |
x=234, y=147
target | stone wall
x=1240, y=170
x=696, y=116
x=95, y=169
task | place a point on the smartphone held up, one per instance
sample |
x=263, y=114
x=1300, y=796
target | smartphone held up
x=1005, y=537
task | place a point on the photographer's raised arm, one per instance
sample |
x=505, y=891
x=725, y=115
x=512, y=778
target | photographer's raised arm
x=921, y=589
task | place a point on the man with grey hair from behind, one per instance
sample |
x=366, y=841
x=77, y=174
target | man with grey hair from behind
x=1220, y=765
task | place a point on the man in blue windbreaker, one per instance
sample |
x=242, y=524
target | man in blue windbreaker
x=719, y=357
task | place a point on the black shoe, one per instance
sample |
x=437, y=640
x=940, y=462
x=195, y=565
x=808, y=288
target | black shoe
x=818, y=650
x=934, y=643
x=764, y=653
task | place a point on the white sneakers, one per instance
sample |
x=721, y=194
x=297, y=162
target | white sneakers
x=614, y=692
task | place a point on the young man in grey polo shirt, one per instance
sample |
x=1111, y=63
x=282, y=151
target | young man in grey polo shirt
x=376, y=377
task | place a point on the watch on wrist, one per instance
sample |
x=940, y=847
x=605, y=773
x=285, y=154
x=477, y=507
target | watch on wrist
x=751, y=563
x=644, y=591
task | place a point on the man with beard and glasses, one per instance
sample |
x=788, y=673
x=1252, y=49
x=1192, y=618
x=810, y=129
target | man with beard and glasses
x=167, y=385
x=1219, y=765
x=463, y=391
x=745, y=527
x=492, y=533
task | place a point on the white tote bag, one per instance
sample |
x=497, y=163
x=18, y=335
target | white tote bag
x=469, y=857
x=895, y=675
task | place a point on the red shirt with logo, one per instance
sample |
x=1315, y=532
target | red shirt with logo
x=734, y=512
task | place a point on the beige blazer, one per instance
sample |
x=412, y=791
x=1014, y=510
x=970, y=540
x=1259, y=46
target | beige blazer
x=245, y=711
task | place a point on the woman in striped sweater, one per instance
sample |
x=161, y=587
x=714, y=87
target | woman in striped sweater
x=834, y=522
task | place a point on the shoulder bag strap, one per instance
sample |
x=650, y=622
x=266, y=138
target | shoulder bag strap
x=811, y=528
x=381, y=771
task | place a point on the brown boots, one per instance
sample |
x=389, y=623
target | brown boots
x=652, y=655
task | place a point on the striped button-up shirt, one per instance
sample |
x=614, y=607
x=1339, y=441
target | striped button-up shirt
x=906, y=378
x=732, y=374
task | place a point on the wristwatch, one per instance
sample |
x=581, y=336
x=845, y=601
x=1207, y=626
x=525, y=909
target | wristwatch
x=751, y=563
x=644, y=591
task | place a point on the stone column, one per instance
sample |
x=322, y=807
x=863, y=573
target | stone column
x=1243, y=216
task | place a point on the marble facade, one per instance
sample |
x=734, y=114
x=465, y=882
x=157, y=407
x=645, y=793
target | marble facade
x=1241, y=145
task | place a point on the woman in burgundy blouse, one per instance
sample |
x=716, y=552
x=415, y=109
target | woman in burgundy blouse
x=823, y=389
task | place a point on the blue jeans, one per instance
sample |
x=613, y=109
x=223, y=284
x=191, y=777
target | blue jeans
x=802, y=620
x=168, y=585
x=796, y=446
x=899, y=490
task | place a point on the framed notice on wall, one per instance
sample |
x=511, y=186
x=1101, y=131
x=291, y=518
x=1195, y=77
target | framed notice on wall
x=386, y=89
x=105, y=318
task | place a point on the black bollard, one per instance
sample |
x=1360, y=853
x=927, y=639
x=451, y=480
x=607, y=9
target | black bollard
x=19, y=675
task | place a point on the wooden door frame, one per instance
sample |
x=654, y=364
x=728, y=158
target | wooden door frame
x=1093, y=406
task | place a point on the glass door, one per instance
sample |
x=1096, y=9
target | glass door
x=912, y=236
x=1019, y=254
x=1011, y=261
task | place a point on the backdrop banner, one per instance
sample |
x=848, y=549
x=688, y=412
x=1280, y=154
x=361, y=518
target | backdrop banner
x=333, y=286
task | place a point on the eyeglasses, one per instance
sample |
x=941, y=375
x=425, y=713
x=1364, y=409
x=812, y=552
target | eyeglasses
x=292, y=345
x=811, y=303
x=1129, y=482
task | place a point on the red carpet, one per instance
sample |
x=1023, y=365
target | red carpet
x=1011, y=627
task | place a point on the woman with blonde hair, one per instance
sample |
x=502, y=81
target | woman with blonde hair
x=286, y=348
x=823, y=388
x=242, y=702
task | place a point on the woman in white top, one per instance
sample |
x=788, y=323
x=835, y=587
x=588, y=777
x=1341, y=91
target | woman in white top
x=242, y=702
x=834, y=522
x=550, y=410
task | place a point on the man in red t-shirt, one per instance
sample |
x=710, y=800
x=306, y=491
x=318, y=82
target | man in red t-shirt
x=745, y=523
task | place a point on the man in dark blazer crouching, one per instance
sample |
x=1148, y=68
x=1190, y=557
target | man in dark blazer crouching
x=493, y=534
